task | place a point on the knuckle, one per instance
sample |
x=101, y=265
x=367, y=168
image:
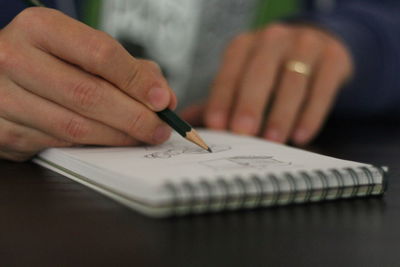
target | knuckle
x=35, y=16
x=131, y=80
x=27, y=16
x=9, y=137
x=240, y=40
x=152, y=65
x=140, y=80
x=4, y=55
x=13, y=140
x=86, y=95
x=102, y=48
x=275, y=32
x=143, y=75
x=237, y=43
x=137, y=123
x=8, y=103
x=308, y=39
x=75, y=129
x=7, y=53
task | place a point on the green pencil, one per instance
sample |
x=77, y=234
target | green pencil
x=183, y=128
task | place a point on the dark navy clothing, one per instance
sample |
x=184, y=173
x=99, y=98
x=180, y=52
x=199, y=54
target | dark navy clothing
x=9, y=8
x=371, y=31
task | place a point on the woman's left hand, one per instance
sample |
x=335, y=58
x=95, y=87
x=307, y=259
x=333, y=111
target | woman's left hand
x=293, y=71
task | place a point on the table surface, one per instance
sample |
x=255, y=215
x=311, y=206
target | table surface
x=49, y=220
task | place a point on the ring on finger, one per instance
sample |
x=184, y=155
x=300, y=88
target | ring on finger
x=299, y=67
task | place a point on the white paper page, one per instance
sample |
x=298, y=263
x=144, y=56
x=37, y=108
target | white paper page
x=179, y=159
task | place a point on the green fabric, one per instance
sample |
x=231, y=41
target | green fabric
x=91, y=12
x=271, y=10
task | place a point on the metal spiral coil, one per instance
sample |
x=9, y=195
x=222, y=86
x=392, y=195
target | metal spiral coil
x=236, y=192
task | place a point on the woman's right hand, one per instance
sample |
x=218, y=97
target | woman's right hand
x=63, y=83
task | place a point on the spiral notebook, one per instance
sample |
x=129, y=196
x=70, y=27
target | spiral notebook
x=179, y=178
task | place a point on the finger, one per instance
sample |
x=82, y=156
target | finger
x=258, y=80
x=222, y=93
x=329, y=76
x=15, y=156
x=22, y=107
x=292, y=88
x=155, y=67
x=95, y=52
x=21, y=143
x=87, y=95
x=194, y=114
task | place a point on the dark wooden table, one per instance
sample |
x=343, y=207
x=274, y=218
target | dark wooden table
x=49, y=220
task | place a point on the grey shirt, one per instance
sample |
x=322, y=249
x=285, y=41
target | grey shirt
x=186, y=37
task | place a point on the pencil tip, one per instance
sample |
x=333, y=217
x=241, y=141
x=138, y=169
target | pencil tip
x=209, y=150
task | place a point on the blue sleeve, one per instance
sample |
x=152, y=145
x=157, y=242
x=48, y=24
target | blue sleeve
x=371, y=32
x=10, y=8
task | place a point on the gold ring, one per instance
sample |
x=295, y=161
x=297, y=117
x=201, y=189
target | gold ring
x=299, y=67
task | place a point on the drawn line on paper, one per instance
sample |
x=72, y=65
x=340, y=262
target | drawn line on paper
x=170, y=151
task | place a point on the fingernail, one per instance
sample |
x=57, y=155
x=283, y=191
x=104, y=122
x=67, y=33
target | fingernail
x=162, y=133
x=273, y=135
x=244, y=125
x=216, y=120
x=158, y=98
x=300, y=136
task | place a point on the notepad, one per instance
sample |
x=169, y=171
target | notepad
x=178, y=178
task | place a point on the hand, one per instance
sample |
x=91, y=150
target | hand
x=63, y=83
x=254, y=78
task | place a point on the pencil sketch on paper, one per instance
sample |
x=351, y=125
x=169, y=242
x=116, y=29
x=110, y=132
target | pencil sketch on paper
x=169, y=151
x=244, y=162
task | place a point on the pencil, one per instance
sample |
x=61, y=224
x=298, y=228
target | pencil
x=170, y=117
x=183, y=128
